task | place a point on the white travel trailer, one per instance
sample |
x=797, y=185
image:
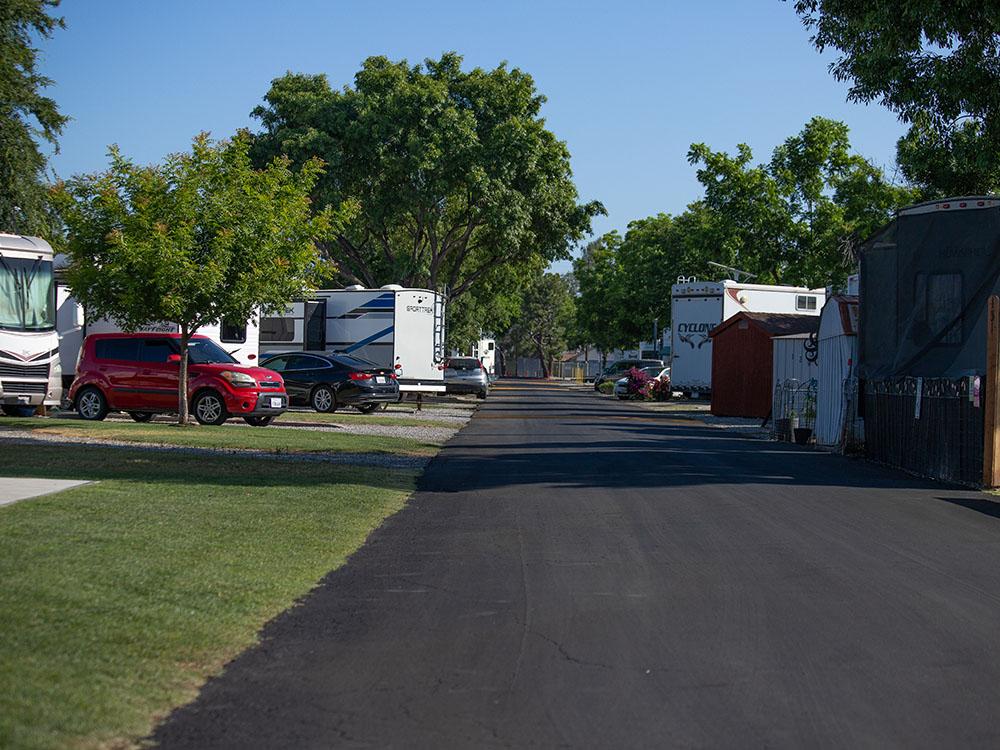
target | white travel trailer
x=240, y=340
x=699, y=306
x=30, y=374
x=486, y=351
x=391, y=326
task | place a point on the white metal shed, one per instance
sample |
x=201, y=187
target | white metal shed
x=837, y=360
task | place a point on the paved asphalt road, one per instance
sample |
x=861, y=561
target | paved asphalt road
x=581, y=573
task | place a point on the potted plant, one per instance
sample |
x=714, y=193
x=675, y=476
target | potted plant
x=804, y=434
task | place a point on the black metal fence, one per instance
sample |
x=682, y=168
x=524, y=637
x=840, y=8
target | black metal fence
x=928, y=426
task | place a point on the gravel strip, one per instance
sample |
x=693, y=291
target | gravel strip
x=432, y=434
x=381, y=460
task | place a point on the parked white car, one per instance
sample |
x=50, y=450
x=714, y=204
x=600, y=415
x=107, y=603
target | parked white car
x=656, y=373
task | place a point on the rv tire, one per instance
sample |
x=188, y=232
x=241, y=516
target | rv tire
x=366, y=408
x=323, y=399
x=258, y=421
x=91, y=404
x=141, y=416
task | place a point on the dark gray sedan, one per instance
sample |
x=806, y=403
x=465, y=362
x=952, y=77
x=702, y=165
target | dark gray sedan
x=327, y=381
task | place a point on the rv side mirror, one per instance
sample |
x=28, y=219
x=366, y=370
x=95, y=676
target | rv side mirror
x=175, y=358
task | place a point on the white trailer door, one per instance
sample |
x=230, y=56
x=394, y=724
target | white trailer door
x=692, y=317
x=416, y=341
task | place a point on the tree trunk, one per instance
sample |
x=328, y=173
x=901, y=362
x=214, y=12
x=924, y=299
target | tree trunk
x=182, y=383
x=542, y=359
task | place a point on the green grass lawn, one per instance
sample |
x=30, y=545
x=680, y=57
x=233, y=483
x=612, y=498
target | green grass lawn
x=118, y=599
x=252, y=438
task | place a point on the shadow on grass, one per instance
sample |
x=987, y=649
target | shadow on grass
x=176, y=468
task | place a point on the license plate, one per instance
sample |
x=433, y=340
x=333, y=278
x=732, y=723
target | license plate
x=24, y=399
x=381, y=379
x=276, y=403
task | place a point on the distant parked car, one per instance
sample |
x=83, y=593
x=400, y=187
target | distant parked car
x=466, y=375
x=616, y=369
x=655, y=372
x=327, y=381
x=139, y=373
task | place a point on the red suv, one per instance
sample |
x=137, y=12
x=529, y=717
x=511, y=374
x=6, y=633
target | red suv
x=139, y=373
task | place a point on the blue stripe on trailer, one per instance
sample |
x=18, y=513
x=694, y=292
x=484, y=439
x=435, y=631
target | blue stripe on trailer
x=370, y=339
x=380, y=303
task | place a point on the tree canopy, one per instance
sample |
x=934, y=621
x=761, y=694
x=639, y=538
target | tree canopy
x=937, y=65
x=201, y=238
x=796, y=219
x=799, y=218
x=454, y=172
x=25, y=116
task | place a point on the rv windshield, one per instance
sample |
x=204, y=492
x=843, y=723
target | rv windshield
x=27, y=294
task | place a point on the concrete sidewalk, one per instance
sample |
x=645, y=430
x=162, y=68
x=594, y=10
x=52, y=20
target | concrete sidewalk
x=13, y=489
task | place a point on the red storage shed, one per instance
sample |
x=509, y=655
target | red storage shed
x=742, y=360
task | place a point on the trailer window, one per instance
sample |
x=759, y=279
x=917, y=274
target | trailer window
x=277, y=329
x=233, y=333
x=805, y=302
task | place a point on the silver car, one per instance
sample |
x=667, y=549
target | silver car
x=466, y=375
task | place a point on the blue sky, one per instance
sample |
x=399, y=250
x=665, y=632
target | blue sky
x=629, y=84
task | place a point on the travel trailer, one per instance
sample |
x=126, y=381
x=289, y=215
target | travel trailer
x=241, y=340
x=486, y=351
x=699, y=306
x=392, y=326
x=30, y=374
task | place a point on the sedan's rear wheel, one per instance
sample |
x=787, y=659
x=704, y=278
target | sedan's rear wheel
x=323, y=399
x=209, y=408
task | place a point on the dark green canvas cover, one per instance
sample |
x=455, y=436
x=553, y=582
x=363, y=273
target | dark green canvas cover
x=925, y=282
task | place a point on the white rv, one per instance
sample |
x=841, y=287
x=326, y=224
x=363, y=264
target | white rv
x=486, y=351
x=240, y=340
x=699, y=306
x=30, y=374
x=391, y=326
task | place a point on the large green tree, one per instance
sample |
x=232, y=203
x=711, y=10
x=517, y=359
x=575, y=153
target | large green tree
x=200, y=238
x=601, y=297
x=26, y=115
x=491, y=306
x=544, y=321
x=937, y=65
x=454, y=171
x=798, y=218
